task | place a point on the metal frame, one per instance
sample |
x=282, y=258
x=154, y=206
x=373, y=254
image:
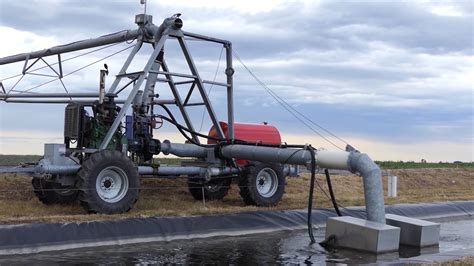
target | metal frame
x=147, y=33
x=157, y=36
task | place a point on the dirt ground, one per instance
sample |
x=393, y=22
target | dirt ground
x=162, y=197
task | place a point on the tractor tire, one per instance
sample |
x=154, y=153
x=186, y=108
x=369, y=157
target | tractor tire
x=53, y=193
x=213, y=190
x=263, y=185
x=108, y=183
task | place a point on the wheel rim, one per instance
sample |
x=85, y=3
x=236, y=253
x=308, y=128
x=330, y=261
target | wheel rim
x=212, y=187
x=112, y=184
x=267, y=182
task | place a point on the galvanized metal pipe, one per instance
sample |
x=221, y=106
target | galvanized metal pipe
x=56, y=169
x=229, y=71
x=186, y=170
x=75, y=46
x=352, y=161
x=373, y=189
x=48, y=95
x=63, y=101
x=183, y=150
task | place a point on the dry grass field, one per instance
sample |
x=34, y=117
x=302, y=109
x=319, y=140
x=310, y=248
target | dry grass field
x=162, y=197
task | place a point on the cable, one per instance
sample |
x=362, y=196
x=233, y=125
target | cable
x=331, y=192
x=188, y=130
x=311, y=191
x=181, y=128
x=210, y=88
x=290, y=108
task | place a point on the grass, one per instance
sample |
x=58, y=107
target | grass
x=469, y=260
x=418, y=165
x=14, y=160
x=164, y=197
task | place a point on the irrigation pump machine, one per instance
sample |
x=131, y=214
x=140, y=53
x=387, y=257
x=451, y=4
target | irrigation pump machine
x=109, y=141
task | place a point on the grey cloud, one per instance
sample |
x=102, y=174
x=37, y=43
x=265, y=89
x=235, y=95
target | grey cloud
x=341, y=29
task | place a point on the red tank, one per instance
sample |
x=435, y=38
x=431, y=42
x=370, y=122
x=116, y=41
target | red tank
x=255, y=133
x=258, y=133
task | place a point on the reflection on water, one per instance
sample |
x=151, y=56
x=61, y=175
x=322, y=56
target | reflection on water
x=276, y=248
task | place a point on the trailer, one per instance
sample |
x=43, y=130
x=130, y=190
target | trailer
x=109, y=143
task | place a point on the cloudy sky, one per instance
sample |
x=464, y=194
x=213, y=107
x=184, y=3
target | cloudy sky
x=393, y=78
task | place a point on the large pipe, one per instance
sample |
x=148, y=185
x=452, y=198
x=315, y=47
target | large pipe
x=324, y=159
x=48, y=95
x=56, y=169
x=187, y=170
x=352, y=161
x=373, y=189
x=121, y=36
x=183, y=150
x=63, y=101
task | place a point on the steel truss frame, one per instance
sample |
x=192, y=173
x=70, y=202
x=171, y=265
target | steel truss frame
x=155, y=70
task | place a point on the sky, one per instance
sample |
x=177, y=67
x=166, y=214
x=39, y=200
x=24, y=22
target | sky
x=392, y=78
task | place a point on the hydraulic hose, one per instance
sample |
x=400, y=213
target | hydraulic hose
x=331, y=193
x=311, y=191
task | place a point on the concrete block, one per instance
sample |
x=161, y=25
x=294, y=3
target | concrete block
x=359, y=234
x=415, y=232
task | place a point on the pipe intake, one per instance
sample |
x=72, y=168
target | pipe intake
x=373, y=189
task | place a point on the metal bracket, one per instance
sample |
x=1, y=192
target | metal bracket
x=58, y=74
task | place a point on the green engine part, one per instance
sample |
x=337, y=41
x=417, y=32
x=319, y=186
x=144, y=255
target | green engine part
x=98, y=132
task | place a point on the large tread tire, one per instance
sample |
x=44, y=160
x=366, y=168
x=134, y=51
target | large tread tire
x=52, y=193
x=248, y=185
x=92, y=169
x=213, y=190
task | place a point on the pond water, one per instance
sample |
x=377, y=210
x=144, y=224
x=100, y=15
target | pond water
x=276, y=248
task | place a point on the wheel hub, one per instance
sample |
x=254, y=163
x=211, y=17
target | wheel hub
x=267, y=182
x=112, y=184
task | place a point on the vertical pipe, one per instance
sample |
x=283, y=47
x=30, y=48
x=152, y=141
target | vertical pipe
x=151, y=81
x=373, y=189
x=392, y=186
x=230, y=91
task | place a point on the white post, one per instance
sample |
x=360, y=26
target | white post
x=392, y=186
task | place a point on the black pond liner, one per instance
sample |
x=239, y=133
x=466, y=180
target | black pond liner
x=38, y=237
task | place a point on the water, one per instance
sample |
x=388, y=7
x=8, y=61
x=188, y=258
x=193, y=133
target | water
x=276, y=248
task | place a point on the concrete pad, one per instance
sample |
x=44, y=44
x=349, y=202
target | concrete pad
x=415, y=232
x=360, y=234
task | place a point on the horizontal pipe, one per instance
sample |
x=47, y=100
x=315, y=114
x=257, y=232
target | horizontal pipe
x=186, y=170
x=182, y=75
x=17, y=169
x=352, y=161
x=216, y=83
x=75, y=46
x=324, y=159
x=184, y=150
x=57, y=169
x=48, y=95
x=65, y=101
x=205, y=38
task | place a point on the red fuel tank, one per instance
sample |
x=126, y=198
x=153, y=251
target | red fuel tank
x=259, y=133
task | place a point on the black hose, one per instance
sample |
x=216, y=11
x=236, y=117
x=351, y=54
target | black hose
x=311, y=191
x=331, y=192
x=180, y=128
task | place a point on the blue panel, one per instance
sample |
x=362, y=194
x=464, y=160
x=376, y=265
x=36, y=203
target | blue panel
x=129, y=126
